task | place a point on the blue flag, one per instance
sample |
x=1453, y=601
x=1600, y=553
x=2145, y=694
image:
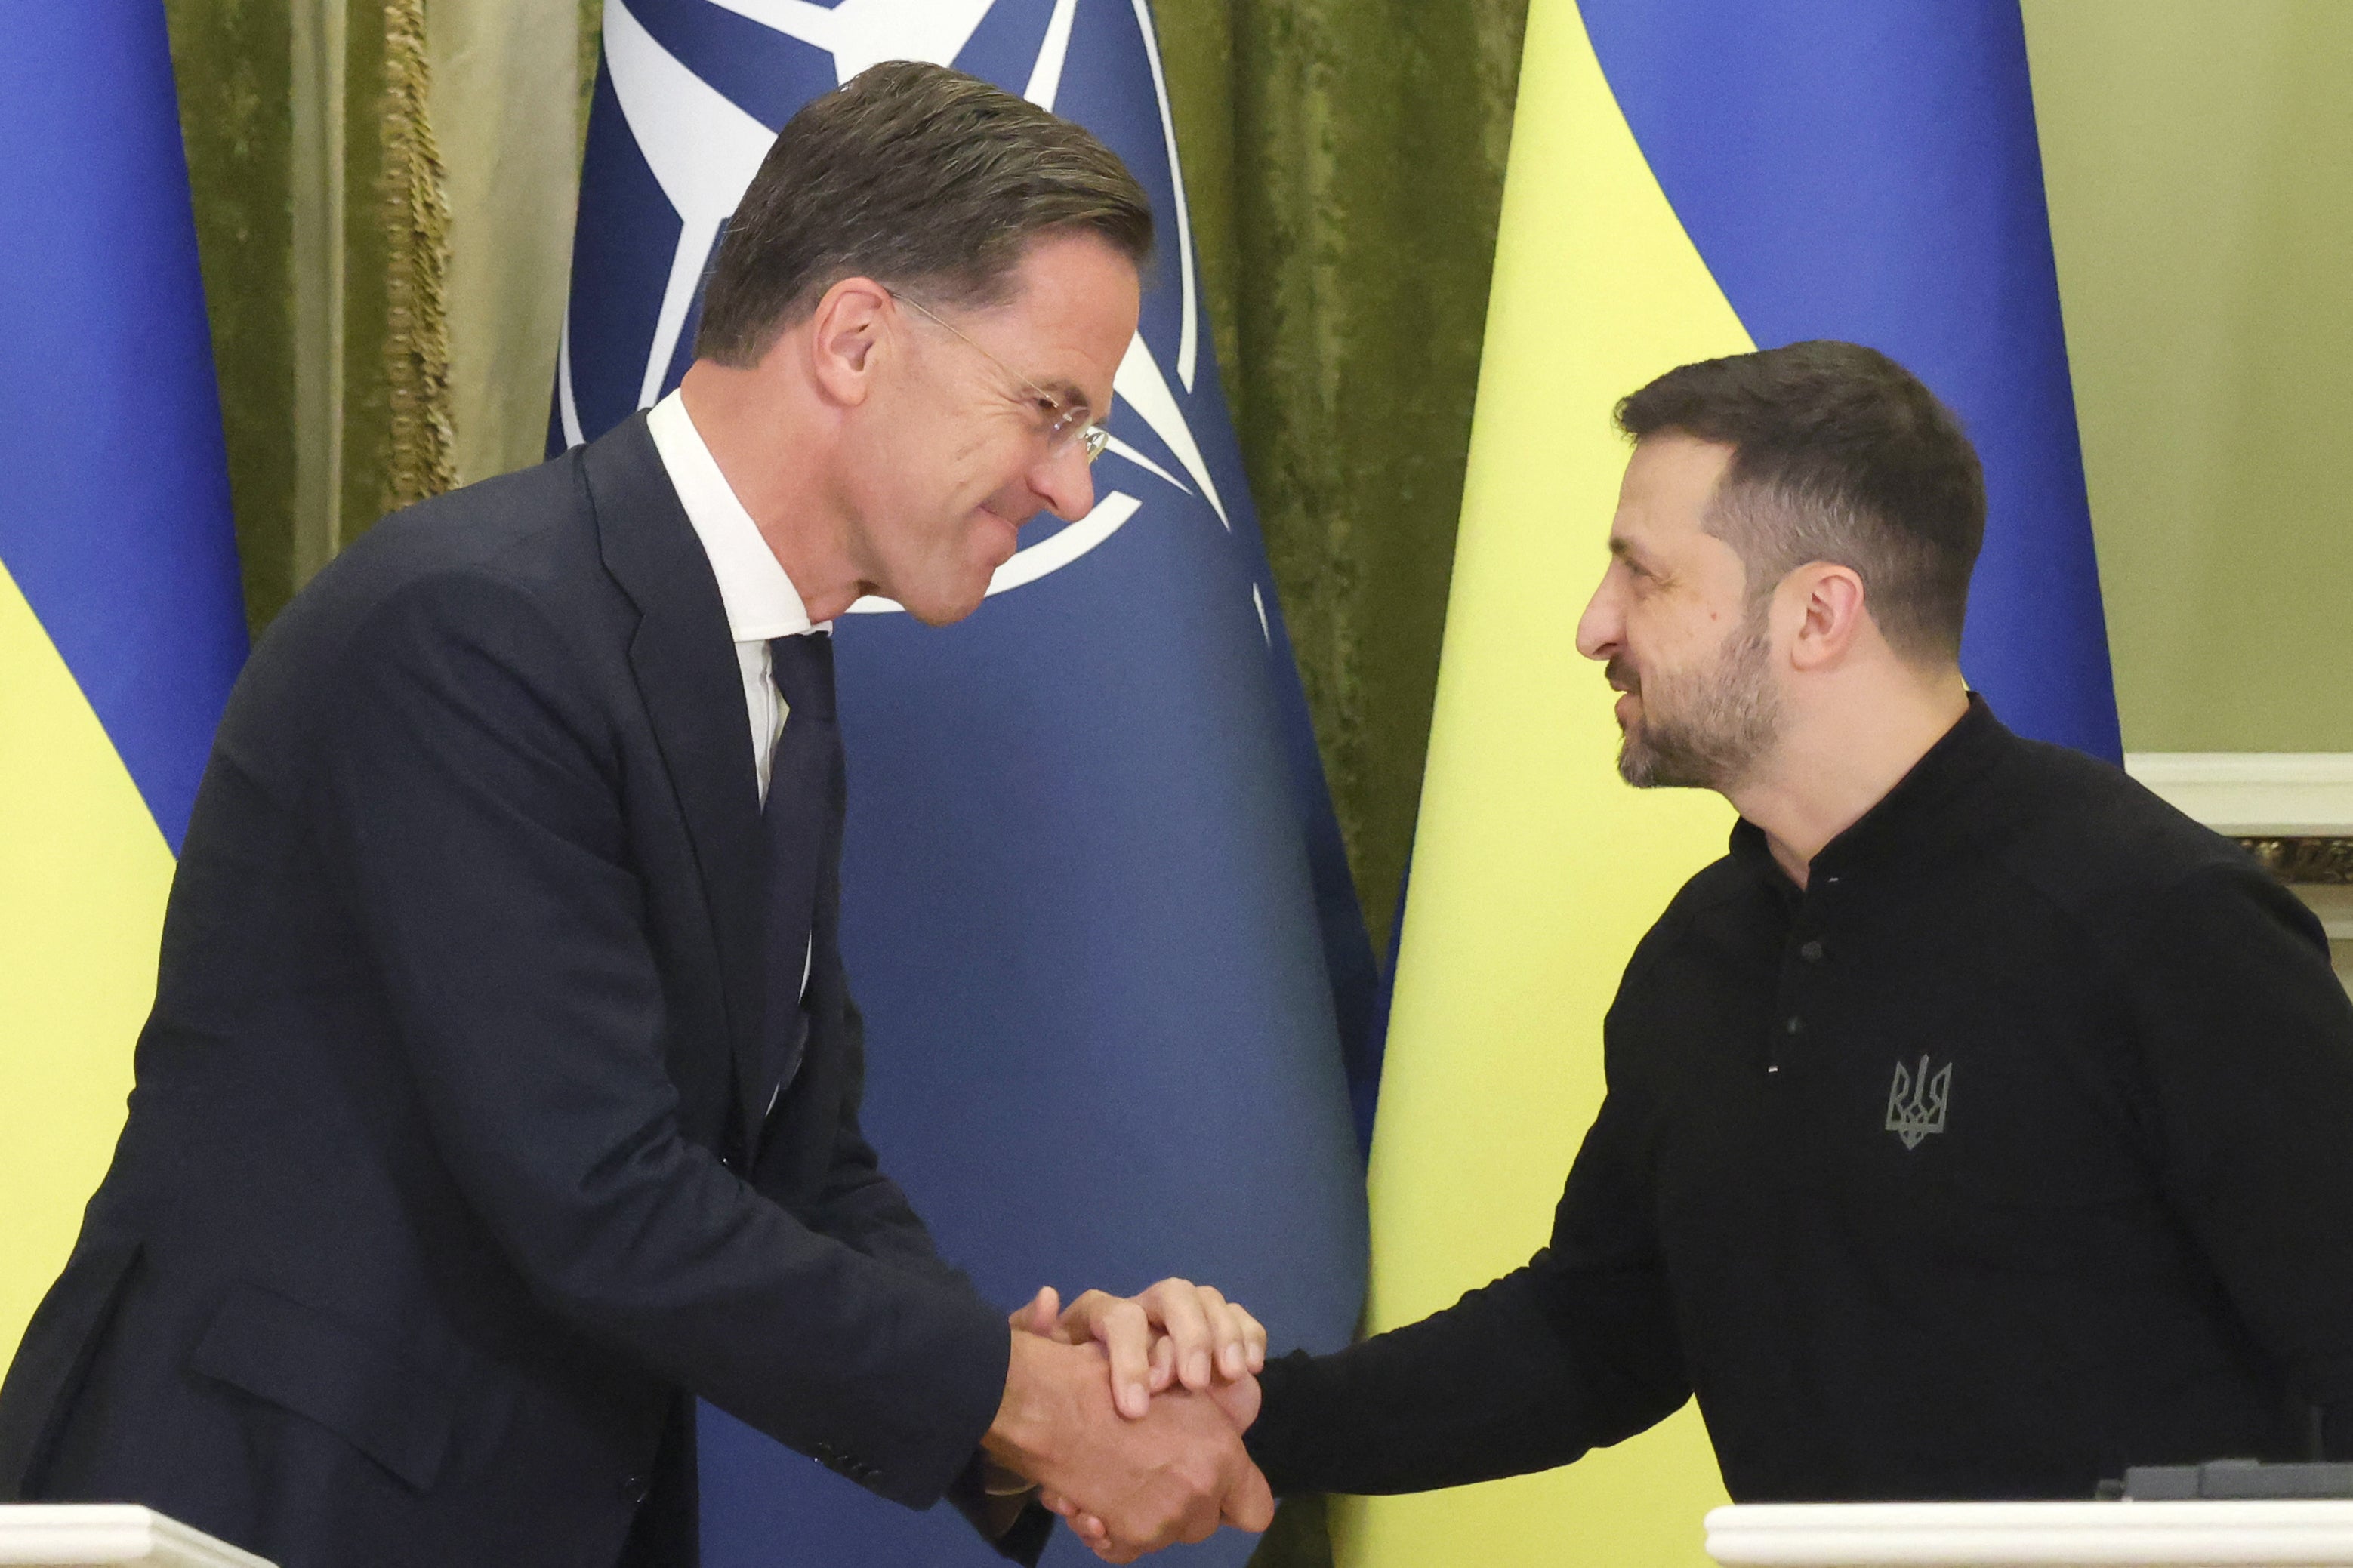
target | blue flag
x=1094, y=905
x=122, y=624
x=1871, y=172
x=114, y=519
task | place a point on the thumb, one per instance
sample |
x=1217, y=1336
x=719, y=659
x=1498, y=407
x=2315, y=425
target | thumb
x=1239, y=1399
x=1249, y=1502
x=1043, y=1313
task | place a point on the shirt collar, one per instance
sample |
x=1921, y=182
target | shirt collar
x=1902, y=817
x=761, y=600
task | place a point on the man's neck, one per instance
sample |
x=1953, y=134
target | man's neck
x=774, y=458
x=1834, y=763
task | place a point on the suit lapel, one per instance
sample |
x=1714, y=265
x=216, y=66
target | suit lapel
x=693, y=691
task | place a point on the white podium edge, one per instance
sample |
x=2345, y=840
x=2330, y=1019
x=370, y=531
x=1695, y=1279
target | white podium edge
x=2289, y=1533
x=93, y=1535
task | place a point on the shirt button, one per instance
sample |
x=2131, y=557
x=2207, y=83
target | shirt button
x=1791, y=1025
x=1811, y=953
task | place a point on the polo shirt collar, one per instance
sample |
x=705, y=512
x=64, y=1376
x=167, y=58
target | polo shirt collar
x=761, y=600
x=1902, y=817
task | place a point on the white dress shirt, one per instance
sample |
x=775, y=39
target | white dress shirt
x=761, y=600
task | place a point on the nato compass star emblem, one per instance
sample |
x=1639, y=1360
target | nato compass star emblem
x=704, y=149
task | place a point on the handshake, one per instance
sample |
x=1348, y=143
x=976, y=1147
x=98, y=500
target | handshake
x=1126, y=1414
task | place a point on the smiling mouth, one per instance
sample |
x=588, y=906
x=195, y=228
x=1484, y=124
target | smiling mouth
x=1012, y=532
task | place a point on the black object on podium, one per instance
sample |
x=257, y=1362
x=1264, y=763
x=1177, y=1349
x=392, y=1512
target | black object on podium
x=2241, y=1479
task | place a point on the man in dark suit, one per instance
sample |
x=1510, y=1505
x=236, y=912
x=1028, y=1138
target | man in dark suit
x=501, y=1089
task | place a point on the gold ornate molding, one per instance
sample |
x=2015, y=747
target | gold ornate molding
x=2306, y=861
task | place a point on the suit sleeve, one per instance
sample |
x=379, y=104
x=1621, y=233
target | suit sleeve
x=2247, y=1036
x=474, y=805
x=1575, y=1351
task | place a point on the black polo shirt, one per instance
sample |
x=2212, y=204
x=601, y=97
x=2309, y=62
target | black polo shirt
x=2015, y=1149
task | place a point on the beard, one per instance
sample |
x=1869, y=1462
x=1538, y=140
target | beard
x=1705, y=729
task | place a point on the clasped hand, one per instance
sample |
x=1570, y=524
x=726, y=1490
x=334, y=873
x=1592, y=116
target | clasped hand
x=1127, y=1413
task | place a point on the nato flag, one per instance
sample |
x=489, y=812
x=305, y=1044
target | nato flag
x=1094, y=903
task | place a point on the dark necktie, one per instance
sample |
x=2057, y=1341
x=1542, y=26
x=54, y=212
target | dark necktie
x=802, y=822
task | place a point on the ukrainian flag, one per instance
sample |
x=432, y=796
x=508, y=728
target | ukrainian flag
x=1687, y=179
x=121, y=621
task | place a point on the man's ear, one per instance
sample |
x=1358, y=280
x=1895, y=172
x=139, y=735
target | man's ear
x=1826, y=600
x=847, y=339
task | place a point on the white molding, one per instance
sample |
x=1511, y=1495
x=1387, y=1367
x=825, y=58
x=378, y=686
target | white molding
x=54, y=1535
x=2250, y=793
x=2309, y=1533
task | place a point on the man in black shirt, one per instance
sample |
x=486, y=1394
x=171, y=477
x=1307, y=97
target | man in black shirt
x=1978, y=1126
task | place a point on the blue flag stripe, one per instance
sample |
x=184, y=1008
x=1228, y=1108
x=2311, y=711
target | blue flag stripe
x=1872, y=173
x=116, y=525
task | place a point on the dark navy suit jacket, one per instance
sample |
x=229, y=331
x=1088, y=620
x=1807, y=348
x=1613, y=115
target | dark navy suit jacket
x=446, y=1180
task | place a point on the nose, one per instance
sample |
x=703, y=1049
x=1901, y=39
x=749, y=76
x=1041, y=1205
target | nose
x=1601, y=630
x=1066, y=482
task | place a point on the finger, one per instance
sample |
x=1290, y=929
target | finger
x=1164, y=1362
x=1040, y=1316
x=1126, y=1335
x=1231, y=1343
x=1249, y=1502
x=1079, y=1316
x=1178, y=1305
x=1055, y=1503
x=1253, y=1340
x=1095, y=1536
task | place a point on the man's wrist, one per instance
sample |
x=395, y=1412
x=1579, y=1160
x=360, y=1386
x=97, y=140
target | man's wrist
x=1020, y=1436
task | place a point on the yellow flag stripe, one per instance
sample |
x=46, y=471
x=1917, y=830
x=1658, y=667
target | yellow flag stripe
x=83, y=875
x=1535, y=870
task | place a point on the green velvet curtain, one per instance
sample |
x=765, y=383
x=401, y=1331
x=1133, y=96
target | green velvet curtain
x=1345, y=162
x=331, y=354
x=233, y=60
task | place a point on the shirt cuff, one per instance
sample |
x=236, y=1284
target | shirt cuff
x=1023, y=1539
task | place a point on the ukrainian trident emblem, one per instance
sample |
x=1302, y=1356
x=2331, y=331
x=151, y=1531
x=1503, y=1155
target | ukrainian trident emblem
x=1916, y=1102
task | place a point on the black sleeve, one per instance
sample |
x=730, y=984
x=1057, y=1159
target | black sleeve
x=2248, y=1039
x=472, y=799
x=1575, y=1350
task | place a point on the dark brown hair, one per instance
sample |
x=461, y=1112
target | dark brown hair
x=1839, y=454
x=910, y=174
